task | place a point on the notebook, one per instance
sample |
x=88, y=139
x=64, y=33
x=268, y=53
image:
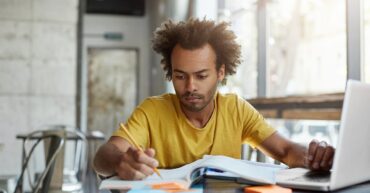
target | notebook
x=215, y=166
x=352, y=157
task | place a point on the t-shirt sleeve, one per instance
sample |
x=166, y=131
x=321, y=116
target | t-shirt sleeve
x=256, y=129
x=137, y=124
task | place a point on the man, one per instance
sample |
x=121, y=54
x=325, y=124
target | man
x=178, y=129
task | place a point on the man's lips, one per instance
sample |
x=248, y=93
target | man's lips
x=192, y=98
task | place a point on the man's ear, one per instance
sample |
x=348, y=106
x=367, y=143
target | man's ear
x=221, y=73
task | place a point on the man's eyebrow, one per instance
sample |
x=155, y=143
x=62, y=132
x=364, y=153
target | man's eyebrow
x=197, y=72
x=201, y=71
x=180, y=71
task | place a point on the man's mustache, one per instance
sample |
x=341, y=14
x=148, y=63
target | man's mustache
x=191, y=94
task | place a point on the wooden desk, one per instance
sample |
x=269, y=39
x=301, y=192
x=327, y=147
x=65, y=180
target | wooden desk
x=216, y=186
x=219, y=186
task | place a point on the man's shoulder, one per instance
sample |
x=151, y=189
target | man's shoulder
x=229, y=98
x=162, y=98
x=232, y=101
x=167, y=99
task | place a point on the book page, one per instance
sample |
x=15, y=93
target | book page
x=258, y=172
x=253, y=171
x=177, y=173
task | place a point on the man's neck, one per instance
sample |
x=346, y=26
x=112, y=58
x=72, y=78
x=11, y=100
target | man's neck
x=201, y=118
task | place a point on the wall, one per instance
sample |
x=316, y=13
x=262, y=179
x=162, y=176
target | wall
x=38, y=64
x=37, y=70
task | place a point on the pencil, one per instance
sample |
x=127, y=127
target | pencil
x=136, y=145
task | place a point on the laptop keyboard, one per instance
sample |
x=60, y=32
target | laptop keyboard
x=313, y=176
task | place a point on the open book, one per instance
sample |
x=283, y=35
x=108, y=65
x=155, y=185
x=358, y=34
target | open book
x=220, y=167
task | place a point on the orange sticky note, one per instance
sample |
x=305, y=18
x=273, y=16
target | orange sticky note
x=168, y=186
x=267, y=189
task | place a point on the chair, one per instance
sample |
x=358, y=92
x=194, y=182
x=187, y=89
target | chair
x=55, y=143
x=71, y=164
x=75, y=160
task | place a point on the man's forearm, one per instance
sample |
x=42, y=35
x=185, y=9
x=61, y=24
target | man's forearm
x=297, y=156
x=106, y=159
x=317, y=156
x=284, y=150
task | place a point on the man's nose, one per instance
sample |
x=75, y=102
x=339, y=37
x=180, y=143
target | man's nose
x=190, y=85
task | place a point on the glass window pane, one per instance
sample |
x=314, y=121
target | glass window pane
x=303, y=131
x=366, y=34
x=242, y=16
x=307, y=47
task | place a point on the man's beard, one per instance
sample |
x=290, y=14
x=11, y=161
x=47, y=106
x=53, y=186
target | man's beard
x=194, y=108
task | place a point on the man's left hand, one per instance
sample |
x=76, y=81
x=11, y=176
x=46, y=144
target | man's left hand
x=320, y=156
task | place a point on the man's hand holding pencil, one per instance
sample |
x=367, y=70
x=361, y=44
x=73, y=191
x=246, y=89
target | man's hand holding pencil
x=136, y=163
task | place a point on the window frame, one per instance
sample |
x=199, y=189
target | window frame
x=279, y=107
x=354, y=44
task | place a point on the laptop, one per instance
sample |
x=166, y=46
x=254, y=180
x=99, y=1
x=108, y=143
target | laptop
x=352, y=156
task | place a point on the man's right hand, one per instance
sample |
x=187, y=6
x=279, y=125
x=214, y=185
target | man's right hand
x=135, y=164
x=118, y=157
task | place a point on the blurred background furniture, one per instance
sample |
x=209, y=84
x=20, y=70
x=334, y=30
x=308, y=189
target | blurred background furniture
x=53, y=145
x=72, y=165
x=7, y=183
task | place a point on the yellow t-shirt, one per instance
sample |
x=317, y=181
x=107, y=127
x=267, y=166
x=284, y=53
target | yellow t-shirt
x=159, y=123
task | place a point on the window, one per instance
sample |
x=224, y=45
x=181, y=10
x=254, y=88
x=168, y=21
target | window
x=303, y=131
x=306, y=51
x=306, y=54
x=242, y=16
x=306, y=47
